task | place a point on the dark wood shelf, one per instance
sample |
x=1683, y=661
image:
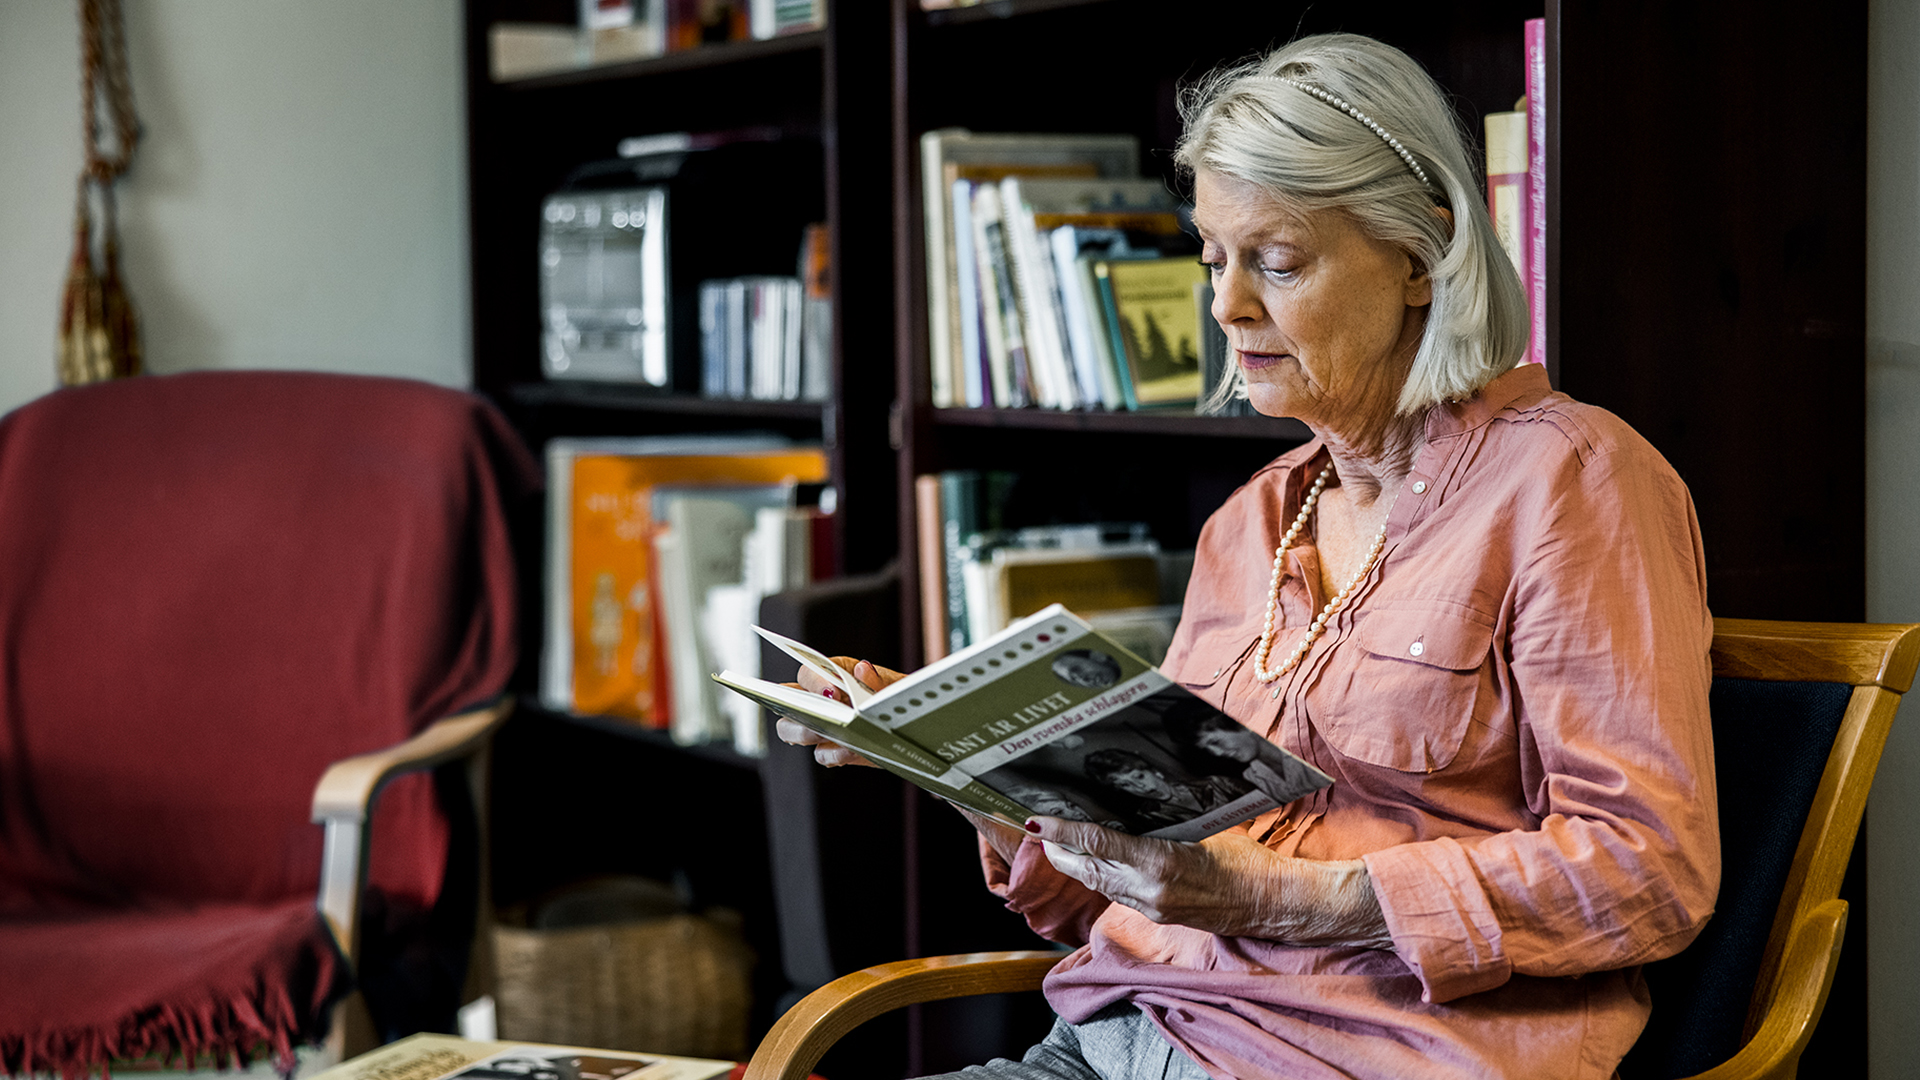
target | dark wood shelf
x=719, y=753
x=707, y=56
x=999, y=9
x=1127, y=423
x=621, y=397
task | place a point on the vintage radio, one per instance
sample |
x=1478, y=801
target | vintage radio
x=625, y=243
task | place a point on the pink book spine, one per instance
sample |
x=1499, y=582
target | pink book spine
x=1536, y=262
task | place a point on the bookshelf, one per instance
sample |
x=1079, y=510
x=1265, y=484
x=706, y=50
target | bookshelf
x=1048, y=54
x=1706, y=254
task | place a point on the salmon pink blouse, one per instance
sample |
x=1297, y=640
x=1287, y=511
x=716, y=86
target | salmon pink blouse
x=1513, y=709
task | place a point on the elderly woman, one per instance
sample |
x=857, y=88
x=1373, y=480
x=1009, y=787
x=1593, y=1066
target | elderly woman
x=1478, y=605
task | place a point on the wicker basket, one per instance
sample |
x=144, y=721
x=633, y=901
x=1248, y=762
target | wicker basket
x=672, y=985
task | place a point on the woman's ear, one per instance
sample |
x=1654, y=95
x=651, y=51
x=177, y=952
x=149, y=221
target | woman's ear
x=1419, y=279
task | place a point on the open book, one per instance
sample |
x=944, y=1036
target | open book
x=1050, y=717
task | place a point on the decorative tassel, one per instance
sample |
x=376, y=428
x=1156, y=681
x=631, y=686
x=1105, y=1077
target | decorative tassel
x=99, y=335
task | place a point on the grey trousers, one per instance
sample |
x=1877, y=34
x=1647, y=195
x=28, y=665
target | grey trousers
x=1116, y=1043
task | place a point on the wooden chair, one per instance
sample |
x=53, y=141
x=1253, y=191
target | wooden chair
x=1800, y=714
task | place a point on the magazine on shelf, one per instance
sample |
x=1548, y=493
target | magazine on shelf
x=1051, y=717
x=445, y=1057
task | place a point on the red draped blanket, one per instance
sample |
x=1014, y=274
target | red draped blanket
x=211, y=587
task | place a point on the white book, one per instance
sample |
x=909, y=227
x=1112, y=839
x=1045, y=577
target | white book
x=699, y=551
x=940, y=270
x=1080, y=323
x=692, y=721
x=975, y=393
x=791, y=344
x=739, y=327
x=999, y=315
x=1033, y=277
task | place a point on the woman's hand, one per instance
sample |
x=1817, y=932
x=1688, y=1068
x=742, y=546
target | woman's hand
x=825, y=750
x=1226, y=884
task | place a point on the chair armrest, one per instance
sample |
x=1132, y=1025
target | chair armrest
x=1806, y=975
x=347, y=788
x=809, y=1029
x=343, y=801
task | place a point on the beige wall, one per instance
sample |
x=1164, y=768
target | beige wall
x=1893, y=520
x=299, y=201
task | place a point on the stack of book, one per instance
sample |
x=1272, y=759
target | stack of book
x=1057, y=277
x=977, y=577
x=659, y=552
x=765, y=338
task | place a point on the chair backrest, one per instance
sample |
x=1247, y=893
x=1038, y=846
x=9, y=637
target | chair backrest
x=1800, y=714
x=214, y=585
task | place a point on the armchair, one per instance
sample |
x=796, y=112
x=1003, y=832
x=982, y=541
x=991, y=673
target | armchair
x=233, y=604
x=1801, y=712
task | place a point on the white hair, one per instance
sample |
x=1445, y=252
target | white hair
x=1244, y=121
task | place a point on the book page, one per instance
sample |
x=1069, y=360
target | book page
x=820, y=664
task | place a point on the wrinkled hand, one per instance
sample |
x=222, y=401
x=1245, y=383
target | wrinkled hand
x=825, y=750
x=1226, y=884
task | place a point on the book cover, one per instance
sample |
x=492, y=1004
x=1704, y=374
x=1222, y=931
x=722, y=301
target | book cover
x=1150, y=303
x=970, y=502
x=974, y=389
x=1507, y=193
x=1076, y=248
x=928, y=526
x=600, y=642
x=816, y=314
x=1095, y=580
x=713, y=340
x=1006, y=340
x=1536, y=279
x=1053, y=717
x=699, y=546
x=1040, y=309
x=445, y=1057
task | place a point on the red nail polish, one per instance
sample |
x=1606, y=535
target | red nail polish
x=1033, y=826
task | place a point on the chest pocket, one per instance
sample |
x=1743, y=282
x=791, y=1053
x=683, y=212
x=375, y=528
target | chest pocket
x=1409, y=682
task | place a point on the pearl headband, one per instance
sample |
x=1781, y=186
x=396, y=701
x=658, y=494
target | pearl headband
x=1339, y=103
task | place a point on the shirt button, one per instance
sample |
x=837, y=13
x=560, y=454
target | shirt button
x=1417, y=648
x=1419, y=487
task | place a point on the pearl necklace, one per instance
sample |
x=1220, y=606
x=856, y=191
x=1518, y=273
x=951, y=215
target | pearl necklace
x=1334, y=603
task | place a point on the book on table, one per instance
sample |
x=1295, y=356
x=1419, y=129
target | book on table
x=1051, y=717
x=445, y=1057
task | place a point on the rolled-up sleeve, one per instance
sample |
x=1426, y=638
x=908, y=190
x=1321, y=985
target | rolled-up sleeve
x=1608, y=659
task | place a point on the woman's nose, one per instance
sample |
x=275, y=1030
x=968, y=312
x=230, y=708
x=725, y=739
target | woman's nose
x=1234, y=298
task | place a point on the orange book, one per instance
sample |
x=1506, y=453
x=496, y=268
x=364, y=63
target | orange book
x=603, y=658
